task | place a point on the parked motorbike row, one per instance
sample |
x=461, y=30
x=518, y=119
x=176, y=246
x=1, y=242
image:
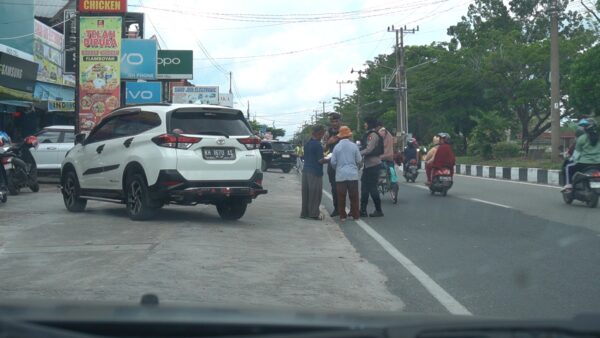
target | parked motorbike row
x=18, y=169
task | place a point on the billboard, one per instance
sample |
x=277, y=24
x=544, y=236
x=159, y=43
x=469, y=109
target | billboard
x=226, y=99
x=70, y=41
x=143, y=92
x=197, y=94
x=47, y=52
x=175, y=64
x=138, y=59
x=17, y=77
x=103, y=6
x=99, y=68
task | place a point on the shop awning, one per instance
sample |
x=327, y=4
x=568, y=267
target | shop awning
x=51, y=92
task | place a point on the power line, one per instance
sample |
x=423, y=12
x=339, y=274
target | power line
x=154, y=27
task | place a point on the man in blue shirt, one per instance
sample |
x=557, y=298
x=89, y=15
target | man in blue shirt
x=312, y=175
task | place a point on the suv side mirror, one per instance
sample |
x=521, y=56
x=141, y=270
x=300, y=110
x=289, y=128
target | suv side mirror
x=79, y=138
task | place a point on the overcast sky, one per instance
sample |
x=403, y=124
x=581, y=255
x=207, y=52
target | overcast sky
x=286, y=56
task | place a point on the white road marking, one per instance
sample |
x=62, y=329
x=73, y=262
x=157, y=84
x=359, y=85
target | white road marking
x=509, y=181
x=491, y=203
x=442, y=296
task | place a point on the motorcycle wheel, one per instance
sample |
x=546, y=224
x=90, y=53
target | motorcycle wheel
x=593, y=201
x=4, y=197
x=13, y=189
x=444, y=192
x=567, y=197
x=35, y=187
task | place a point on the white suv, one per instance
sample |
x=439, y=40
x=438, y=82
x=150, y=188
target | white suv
x=149, y=155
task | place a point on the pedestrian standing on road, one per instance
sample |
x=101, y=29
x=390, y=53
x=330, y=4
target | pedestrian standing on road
x=312, y=175
x=346, y=160
x=373, y=148
x=330, y=140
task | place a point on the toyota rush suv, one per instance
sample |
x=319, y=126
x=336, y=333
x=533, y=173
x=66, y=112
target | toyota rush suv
x=147, y=156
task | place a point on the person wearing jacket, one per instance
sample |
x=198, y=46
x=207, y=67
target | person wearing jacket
x=444, y=156
x=372, y=164
x=430, y=156
x=587, y=151
x=346, y=160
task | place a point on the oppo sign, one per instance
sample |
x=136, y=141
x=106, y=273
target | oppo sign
x=175, y=64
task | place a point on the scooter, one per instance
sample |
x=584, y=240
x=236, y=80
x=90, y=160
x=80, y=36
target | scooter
x=20, y=166
x=411, y=171
x=586, y=187
x=441, y=181
x=3, y=177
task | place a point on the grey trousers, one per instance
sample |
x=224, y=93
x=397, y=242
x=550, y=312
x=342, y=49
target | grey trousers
x=312, y=192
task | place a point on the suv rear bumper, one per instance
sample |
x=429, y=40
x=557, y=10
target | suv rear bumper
x=171, y=186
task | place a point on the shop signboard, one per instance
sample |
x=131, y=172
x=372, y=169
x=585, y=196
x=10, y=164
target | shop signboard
x=61, y=106
x=103, y=6
x=47, y=52
x=138, y=59
x=196, y=94
x=175, y=64
x=143, y=92
x=99, y=68
x=17, y=77
x=226, y=99
x=70, y=41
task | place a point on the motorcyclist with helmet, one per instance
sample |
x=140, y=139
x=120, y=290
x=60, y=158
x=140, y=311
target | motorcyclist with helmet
x=443, y=158
x=586, y=153
x=411, y=152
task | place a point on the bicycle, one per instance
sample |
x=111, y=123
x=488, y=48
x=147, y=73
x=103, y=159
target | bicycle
x=385, y=184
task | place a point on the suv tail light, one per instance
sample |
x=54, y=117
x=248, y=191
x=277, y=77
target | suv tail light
x=596, y=174
x=6, y=160
x=250, y=142
x=175, y=141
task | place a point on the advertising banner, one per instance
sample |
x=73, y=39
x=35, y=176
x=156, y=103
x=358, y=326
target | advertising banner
x=47, y=52
x=198, y=94
x=70, y=41
x=17, y=77
x=103, y=6
x=99, y=68
x=226, y=99
x=175, y=64
x=68, y=106
x=143, y=92
x=138, y=59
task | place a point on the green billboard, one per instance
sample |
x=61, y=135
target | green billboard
x=175, y=64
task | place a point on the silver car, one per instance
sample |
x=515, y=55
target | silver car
x=54, y=142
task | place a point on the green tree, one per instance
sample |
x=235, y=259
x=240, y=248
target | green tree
x=489, y=129
x=584, y=82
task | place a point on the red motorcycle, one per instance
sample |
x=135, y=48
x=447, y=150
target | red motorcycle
x=441, y=181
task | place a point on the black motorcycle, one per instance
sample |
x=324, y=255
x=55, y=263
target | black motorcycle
x=586, y=187
x=411, y=171
x=20, y=166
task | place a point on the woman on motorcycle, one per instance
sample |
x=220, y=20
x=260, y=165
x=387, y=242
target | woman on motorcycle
x=587, y=151
x=430, y=155
x=443, y=158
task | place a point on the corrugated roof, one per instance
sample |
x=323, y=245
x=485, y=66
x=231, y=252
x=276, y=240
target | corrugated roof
x=48, y=8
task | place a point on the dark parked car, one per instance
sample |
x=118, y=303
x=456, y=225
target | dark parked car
x=277, y=154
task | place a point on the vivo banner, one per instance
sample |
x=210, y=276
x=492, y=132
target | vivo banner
x=143, y=92
x=138, y=59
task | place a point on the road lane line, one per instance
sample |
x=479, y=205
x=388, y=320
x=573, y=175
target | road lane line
x=491, y=203
x=442, y=296
x=509, y=181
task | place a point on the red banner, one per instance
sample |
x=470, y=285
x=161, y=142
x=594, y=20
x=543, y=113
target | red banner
x=103, y=6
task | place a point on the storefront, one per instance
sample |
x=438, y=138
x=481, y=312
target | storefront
x=17, y=78
x=54, y=104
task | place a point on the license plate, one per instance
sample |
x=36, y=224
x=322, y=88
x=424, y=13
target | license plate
x=445, y=178
x=285, y=156
x=595, y=185
x=218, y=153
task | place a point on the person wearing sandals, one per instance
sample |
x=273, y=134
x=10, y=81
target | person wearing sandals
x=346, y=160
x=312, y=175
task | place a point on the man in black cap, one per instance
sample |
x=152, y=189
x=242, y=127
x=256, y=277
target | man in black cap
x=330, y=139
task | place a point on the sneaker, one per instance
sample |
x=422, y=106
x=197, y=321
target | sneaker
x=376, y=214
x=343, y=219
x=363, y=213
x=334, y=213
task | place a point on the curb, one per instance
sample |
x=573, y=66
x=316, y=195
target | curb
x=531, y=175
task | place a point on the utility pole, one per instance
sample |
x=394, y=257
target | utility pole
x=360, y=73
x=230, y=82
x=248, y=110
x=340, y=83
x=324, y=102
x=401, y=97
x=554, y=84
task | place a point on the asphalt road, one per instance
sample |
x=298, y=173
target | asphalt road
x=494, y=248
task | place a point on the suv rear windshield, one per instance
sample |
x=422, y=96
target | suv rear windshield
x=282, y=146
x=208, y=123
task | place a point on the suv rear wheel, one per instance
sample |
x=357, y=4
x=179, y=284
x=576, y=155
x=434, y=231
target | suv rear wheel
x=71, y=193
x=139, y=205
x=232, y=209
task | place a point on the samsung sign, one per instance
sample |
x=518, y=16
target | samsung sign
x=138, y=59
x=142, y=92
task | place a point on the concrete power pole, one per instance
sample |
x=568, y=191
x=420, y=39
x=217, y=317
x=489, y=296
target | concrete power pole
x=360, y=73
x=401, y=97
x=554, y=84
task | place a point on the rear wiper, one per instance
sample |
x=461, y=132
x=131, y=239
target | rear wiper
x=213, y=133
